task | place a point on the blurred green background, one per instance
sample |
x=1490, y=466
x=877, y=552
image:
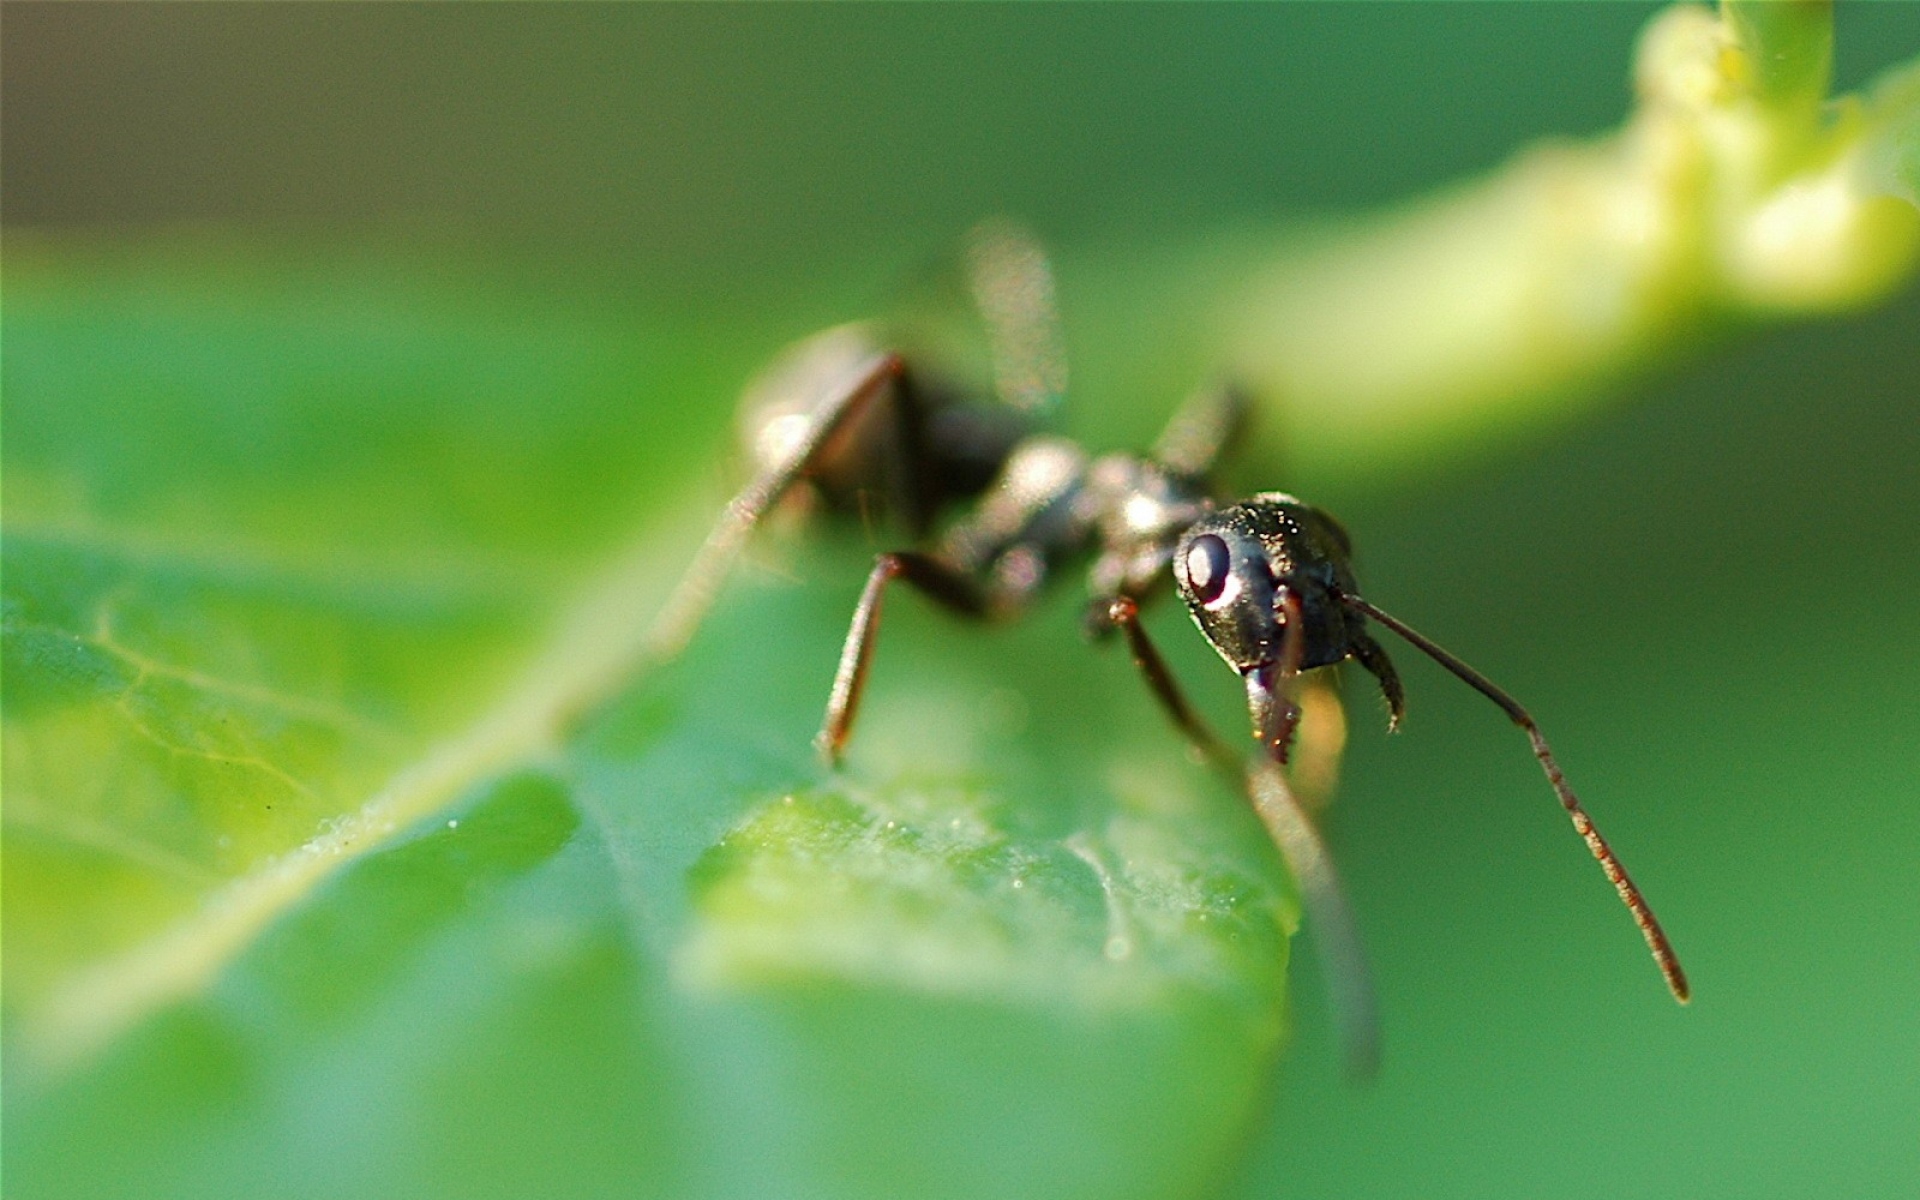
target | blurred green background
x=428, y=309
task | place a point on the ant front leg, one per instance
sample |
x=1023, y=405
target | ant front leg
x=1274, y=714
x=1270, y=703
x=1335, y=933
x=1124, y=612
x=948, y=586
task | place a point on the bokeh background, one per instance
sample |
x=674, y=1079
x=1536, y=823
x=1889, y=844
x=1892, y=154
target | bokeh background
x=1705, y=587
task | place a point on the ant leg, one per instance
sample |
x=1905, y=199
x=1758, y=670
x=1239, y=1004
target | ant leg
x=903, y=479
x=1335, y=936
x=1368, y=654
x=1656, y=937
x=1125, y=613
x=942, y=583
x=1323, y=727
x=687, y=606
x=1274, y=714
x=1269, y=685
x=1012, y=285
x=1208, y=426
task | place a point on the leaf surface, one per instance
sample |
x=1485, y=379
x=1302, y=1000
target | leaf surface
x=333, y=871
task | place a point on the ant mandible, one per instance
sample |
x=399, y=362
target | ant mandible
x=1268, y=580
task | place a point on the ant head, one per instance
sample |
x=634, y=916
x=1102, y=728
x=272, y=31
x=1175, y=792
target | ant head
x=1233, y=567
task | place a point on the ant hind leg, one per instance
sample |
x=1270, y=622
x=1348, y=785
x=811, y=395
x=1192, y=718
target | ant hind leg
x=694, y=595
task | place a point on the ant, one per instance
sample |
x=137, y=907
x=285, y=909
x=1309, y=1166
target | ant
x=1267, y=580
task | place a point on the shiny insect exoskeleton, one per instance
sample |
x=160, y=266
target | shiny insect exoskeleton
x=1268, y=580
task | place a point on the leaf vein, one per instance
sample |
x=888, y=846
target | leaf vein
x=593, y=647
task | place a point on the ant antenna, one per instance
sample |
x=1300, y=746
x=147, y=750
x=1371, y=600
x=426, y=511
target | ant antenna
x=1663, y=954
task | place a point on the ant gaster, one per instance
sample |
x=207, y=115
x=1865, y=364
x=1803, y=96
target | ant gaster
x=1268, y=580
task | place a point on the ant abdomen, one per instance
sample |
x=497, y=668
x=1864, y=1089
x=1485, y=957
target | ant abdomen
x=919, y=449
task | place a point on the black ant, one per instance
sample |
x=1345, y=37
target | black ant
x=1267, y=580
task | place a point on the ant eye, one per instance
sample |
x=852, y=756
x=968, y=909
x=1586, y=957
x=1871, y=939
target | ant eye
x=1208, y=564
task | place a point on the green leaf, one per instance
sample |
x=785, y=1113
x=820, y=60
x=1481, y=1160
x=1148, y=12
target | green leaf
x=1735, y=190
x=1893, y=137
x=1788, y=48
x=328, y=874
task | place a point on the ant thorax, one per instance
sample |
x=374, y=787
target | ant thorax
x=1027, y=522
x=1051, y=505
x=1137, y=508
